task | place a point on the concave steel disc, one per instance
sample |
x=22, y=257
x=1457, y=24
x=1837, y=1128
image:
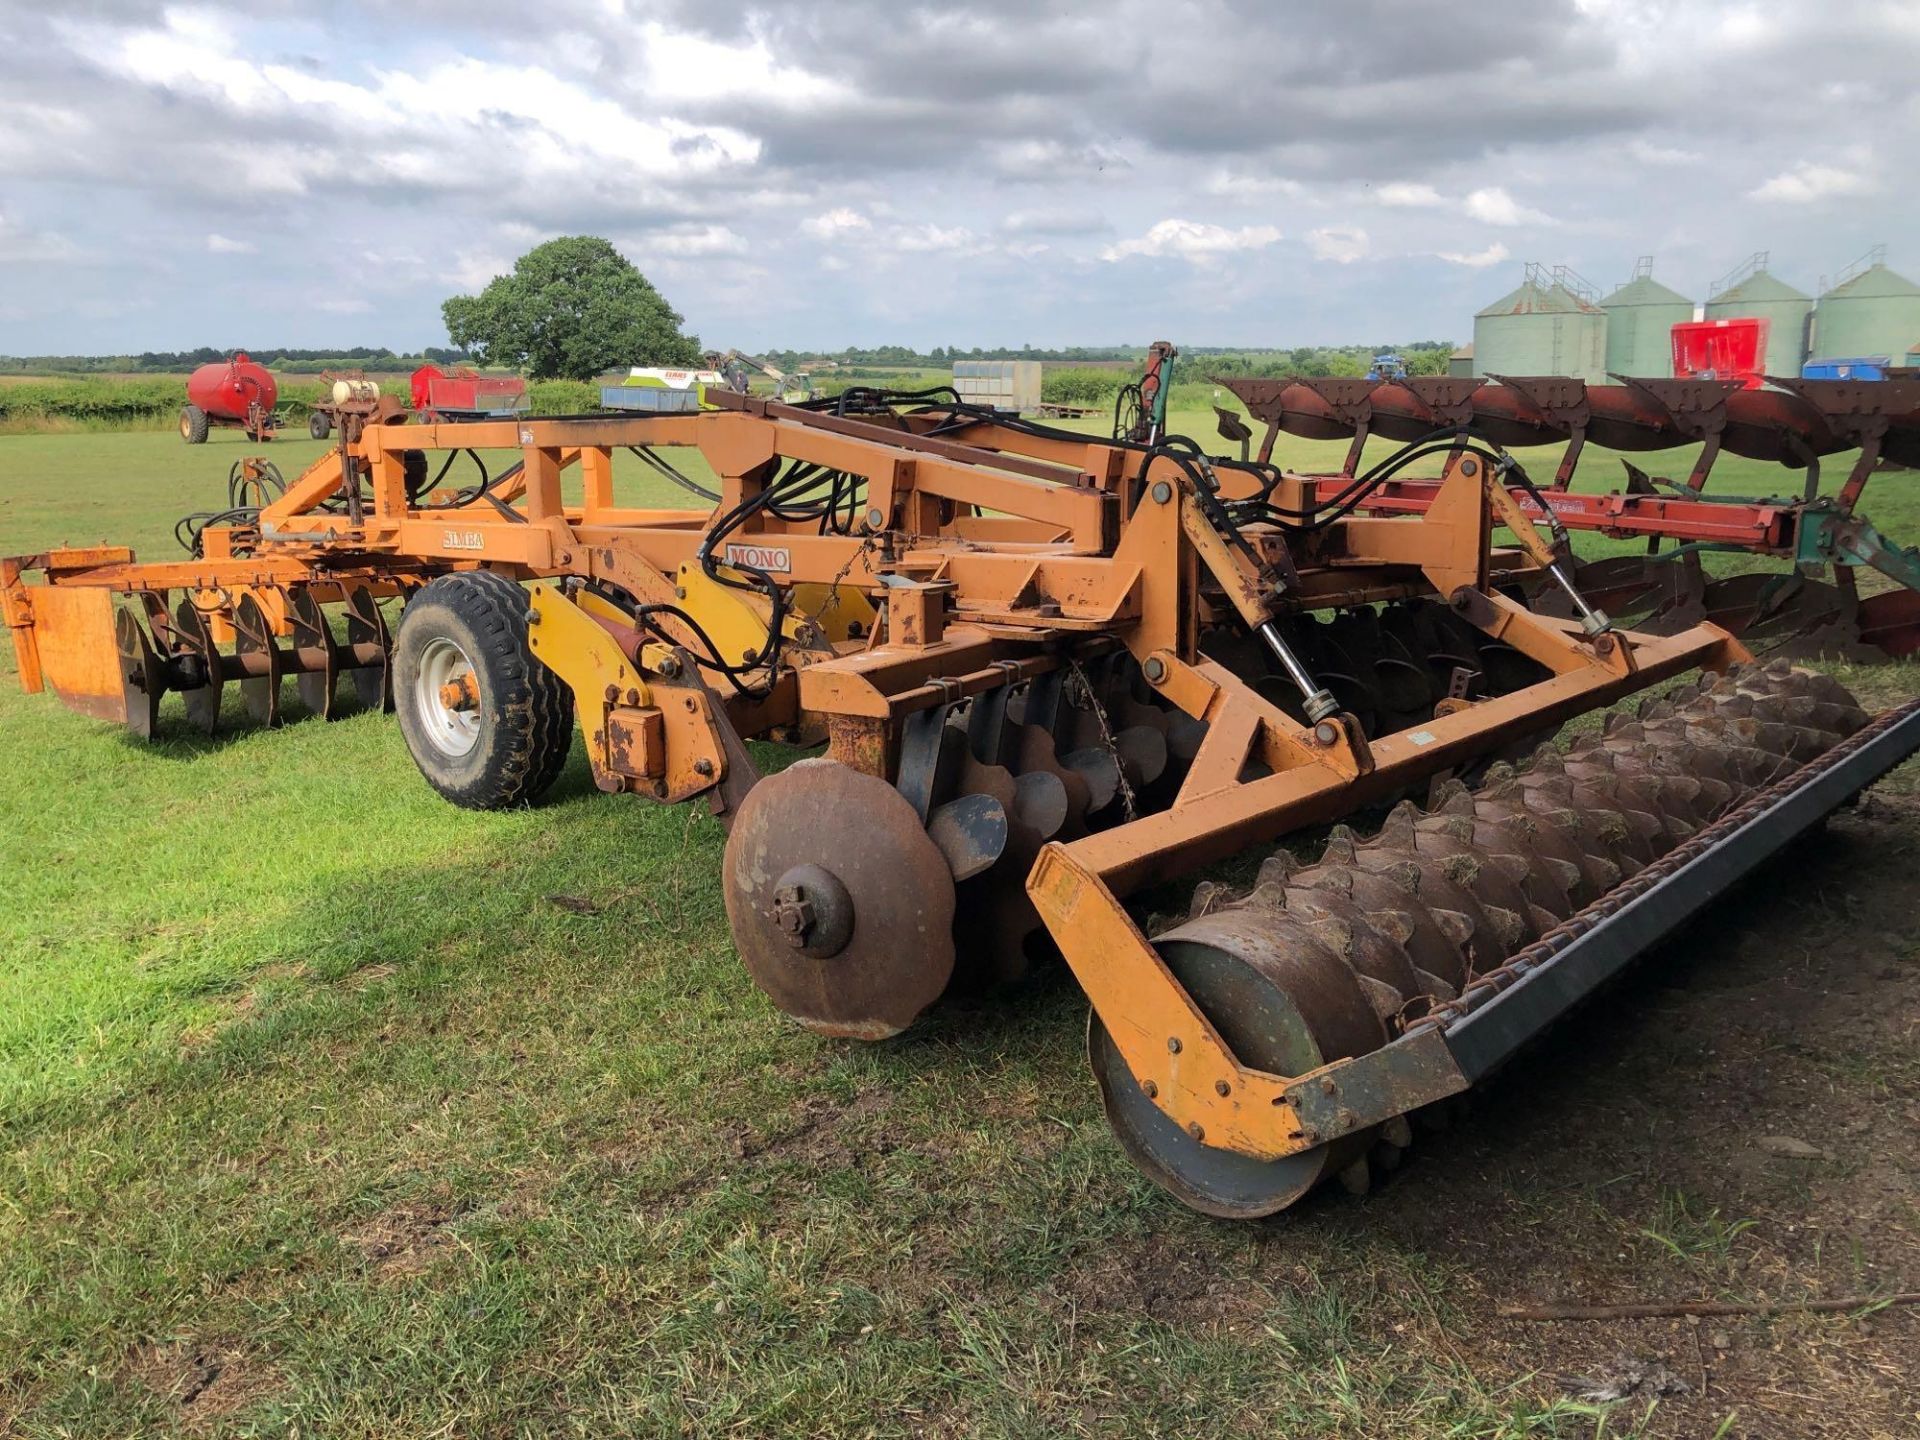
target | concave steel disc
x=840, y=904
x=1280, y=1007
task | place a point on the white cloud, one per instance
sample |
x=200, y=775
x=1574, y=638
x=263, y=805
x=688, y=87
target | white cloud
x=1052, y=161
x=1192, y=240
x=474, y=269
x=836, y=223
x=1807, y=183
x=435, y=127
x=1492, y=205
x=924, y=238
x=1649, y=152
x=221, y=245
x=686, y=66
x=1478, y=259
x=690, y=240
x=21, y=243
x=1238, y=182
x=1409, y=195
x=1342, y=244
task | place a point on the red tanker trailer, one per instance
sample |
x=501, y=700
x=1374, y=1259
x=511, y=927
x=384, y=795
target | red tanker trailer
x=237, y=395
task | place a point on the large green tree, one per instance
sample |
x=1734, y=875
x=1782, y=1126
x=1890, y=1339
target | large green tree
x=573, y=308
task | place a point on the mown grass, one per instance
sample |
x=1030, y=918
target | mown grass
x=321, y=1113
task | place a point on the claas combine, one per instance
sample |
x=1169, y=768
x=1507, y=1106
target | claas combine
x=1036, y=674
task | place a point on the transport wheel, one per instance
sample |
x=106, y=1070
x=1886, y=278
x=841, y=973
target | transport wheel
x=193, y=425
x=1283, y=1006
x=318, y=425
x=487, y=723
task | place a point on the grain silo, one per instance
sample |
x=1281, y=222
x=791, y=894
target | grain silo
x=1641, y=315
x=1869, y=312
x=1548, y=326
x=1750, y=291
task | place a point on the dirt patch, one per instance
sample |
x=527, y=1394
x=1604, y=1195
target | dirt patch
x=1734, y=1122
x=1163, y=1279
x=203, y=1381
x=403, y=1239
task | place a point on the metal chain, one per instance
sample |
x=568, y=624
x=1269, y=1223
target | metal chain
x=832, y=598
x=1085, y=688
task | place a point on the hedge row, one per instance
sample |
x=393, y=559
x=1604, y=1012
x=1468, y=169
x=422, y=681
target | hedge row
x=158, y=401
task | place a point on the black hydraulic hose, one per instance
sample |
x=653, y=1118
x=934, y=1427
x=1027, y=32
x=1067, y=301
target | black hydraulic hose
x=653, y=458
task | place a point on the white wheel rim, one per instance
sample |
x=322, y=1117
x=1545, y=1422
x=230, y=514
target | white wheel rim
x=452, y=732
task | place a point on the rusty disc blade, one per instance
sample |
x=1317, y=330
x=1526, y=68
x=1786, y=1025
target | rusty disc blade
x=819, y=852
x=142, y=681
x=1891, y=621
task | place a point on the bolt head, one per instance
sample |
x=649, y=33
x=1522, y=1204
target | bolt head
x=793, y=914
x=703, y=766
x=613, y=694
x=1326, y=733
x=1196, y=1131
x=670, y=667
x=1155, y=669
x=876, y=517
x=533, y=617
x=633, y=696
x=1149, y=1089
x=1469, y=467
x=1222, y=1089
x=1173, y=1044
x=1161, y=492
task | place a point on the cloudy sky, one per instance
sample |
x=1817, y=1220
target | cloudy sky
x=994, y=172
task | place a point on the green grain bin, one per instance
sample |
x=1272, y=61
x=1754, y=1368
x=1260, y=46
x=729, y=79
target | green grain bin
x=1870, y=311
x=1460, y=363
x=1751, y=291
x=1542, y=328
x=1641, y=315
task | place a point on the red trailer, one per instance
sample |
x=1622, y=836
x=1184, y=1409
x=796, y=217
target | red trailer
x=1721, y=350
x=465, y=394
x=235, y=394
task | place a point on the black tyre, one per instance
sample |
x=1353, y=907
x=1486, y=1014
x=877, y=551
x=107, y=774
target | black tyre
x=193, y=425
x=318, y=425
x=503, y=741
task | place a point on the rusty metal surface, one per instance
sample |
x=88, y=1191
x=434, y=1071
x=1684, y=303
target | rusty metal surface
x=899, y=951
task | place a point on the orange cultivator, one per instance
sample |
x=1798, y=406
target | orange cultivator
x=1039, y=673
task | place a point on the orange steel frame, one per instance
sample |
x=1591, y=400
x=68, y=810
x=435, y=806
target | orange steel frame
x=994, y=554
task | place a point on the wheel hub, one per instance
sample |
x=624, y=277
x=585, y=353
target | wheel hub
x=446, y=697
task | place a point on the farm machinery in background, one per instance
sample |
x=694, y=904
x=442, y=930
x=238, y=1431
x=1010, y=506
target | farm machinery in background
x=231, y=394
x=1037, y=673
x=1812, y=606
x=241, y=394
x=463, y=393
x=733, y=365
x=349, y=397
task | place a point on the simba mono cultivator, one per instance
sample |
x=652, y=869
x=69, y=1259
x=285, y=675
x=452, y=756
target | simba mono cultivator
x=1041, y=673
x=1791, y=612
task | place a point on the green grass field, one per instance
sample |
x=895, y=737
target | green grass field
x=329, y=1109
